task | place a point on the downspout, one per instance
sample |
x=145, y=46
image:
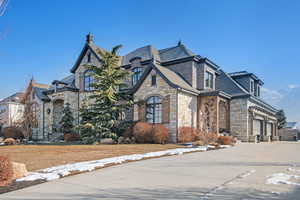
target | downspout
x=177, y=116
x=43, y=120
x=78, y=107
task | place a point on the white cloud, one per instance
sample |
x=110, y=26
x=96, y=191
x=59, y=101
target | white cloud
x=272, y=96
x=293, y=86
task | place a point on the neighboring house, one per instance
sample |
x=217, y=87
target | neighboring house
x=34, y=100
x=11, y=110
x=289, y=132
x=171, y=86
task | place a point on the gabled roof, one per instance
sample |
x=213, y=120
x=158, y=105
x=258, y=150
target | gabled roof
x=93, y=48
x=172, y=78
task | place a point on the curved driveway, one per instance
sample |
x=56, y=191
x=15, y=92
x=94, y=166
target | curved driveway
x=234, y=173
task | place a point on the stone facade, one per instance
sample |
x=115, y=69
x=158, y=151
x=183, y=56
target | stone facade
x=179, y=83
x=161, y=89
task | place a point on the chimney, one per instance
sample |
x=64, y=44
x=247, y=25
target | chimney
x=89, y=38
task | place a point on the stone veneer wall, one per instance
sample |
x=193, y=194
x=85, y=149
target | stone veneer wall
x=161, y=89
x=208, y=114
x=187, y=110
x=239, y=118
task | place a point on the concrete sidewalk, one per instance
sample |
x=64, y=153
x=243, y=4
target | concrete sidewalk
x=234, y=173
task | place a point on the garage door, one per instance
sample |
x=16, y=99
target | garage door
x=269, y=129
x=257, y=127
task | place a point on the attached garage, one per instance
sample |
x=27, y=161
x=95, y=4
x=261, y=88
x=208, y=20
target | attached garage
x=269, y=129
x=257, y=127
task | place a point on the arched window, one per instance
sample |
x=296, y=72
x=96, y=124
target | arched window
x=88, y=80
x=154, y=110
x=137, y=73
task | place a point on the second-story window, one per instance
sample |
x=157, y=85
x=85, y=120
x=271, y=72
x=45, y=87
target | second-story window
x=137, y=73
x=258, y=91
x=209, y=80
x=252, y=86
x=88, y=81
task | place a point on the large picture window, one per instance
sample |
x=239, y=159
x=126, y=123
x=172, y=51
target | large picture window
x=154, y=110
x=137, y=73
x=209, y=80
x=88, y=80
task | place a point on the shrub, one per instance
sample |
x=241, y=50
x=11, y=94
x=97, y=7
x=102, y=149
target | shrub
x=6, y=171
x=10, y=141
x=142, y=132
x=187, y=134
x=71, y=137
x=207, y=138
x=13, y=132
x=160, y=134
x=226, y=140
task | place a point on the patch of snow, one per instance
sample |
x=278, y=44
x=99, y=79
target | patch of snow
x=293, y=169
x=281, y=178
x=211, y=146
x=225, y=146
x=64, y=170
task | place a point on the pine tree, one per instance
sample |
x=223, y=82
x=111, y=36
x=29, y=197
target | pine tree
x=281, y=119
x=108, y=97
x=67, y=120
x=85, y=127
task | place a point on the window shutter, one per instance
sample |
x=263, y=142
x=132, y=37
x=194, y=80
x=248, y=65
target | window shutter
x=142, y=111
x=166, y=109
x=81, y=82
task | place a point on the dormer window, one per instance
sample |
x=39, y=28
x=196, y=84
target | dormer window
x=137, y=73
x=258, y=90
x=252, y=86
x=209, y=80
x=88, y=81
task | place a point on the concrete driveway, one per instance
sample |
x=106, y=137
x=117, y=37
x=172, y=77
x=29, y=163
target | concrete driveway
x=234, y=173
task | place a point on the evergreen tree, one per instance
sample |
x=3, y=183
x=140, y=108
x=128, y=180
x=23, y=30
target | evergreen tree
x=281, y=119
x=108, y=97
x=85, y=127
x=67, y=120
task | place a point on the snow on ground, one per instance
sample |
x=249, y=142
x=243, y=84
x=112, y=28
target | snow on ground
x=57, y=172
x=282, y=178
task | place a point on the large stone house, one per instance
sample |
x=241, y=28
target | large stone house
x=171, y=86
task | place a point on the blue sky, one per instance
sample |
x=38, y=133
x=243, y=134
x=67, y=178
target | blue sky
x=42, y=39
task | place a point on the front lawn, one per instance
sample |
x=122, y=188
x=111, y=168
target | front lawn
x=43, y=156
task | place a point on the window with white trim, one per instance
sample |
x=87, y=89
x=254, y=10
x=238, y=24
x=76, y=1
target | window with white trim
x=209, y=80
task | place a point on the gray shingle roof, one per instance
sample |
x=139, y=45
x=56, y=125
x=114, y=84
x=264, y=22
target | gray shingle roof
x=175, y=78
x=225, y=83
x=40, y=93
x=149, y=52
x=174, y=53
